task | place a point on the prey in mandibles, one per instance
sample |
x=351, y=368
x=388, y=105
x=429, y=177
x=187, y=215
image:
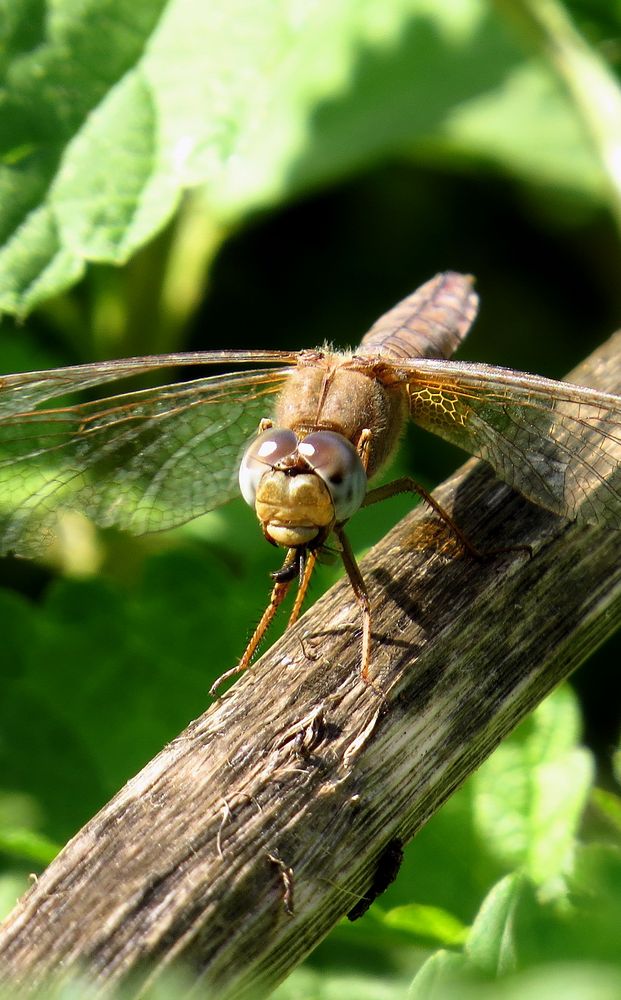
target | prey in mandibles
x=152, y=459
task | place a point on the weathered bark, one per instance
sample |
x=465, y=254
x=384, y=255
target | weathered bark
x=241, y=844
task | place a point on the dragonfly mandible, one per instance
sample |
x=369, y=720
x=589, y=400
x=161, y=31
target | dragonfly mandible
x=321, y=424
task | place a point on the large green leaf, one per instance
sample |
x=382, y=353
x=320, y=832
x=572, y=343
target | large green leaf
x=110, y=110
x=572, y=981
x=98, y=675
x=530, y=795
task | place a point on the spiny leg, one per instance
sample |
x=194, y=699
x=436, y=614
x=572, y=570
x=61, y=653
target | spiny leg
x=308, y=558
x=408, y=485
x=362, y=597
x=284, y=578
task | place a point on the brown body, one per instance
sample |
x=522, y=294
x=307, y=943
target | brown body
x=338, y=392
x=356, y=393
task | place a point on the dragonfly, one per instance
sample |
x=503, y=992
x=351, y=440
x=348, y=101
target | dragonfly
x=301, y=434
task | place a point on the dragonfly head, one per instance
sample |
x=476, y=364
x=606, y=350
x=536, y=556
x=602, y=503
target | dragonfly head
x=301, y=488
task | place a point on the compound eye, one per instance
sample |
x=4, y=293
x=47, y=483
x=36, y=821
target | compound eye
x=337, y=462
x=263, y=453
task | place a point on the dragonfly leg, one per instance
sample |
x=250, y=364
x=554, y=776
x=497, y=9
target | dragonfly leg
x=362, y=597
x=307, y=565
x=279, y=592
x=408, y=485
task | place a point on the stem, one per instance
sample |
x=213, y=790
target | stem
x=587, y=78
x=245, y=840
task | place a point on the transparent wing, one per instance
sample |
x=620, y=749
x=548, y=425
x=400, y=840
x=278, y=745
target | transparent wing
x=141, y=461
x=559, y=444
x=25, y=390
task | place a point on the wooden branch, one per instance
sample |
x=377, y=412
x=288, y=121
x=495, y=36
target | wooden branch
x=238, y=848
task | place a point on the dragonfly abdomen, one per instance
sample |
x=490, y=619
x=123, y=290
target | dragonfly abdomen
x=429, y=323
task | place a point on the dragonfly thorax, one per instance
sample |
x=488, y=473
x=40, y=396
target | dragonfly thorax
x=301, y=488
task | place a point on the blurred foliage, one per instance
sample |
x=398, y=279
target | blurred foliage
x=277, y=176
x=546, y=923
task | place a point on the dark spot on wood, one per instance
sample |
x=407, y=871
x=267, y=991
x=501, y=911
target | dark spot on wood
x=386, y=870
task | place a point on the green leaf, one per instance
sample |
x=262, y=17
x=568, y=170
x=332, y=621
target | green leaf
x=437, y=978
x=572, y=981
x=530, y=795
x=530, y=98
x=491, y=946
x=102, y=675
x=252, y=100
x=23, y=844
x=428, y=922
x=596, y=895
x=608, y=805
x=594, y=90
x=309, y=984
x=12, y=886
x=514, y=929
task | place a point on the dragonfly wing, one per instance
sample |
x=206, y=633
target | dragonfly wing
x=558, y=444
x=142, y=461
x=25, y=390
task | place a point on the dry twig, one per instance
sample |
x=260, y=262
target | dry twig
x=241, y=844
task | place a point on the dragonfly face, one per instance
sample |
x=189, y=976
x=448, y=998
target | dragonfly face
x=300, y=488
x=152, y=459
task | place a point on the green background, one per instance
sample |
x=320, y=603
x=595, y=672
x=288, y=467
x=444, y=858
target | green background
x=189, y=176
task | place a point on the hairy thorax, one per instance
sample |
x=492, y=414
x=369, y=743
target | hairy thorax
x=344, y=393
